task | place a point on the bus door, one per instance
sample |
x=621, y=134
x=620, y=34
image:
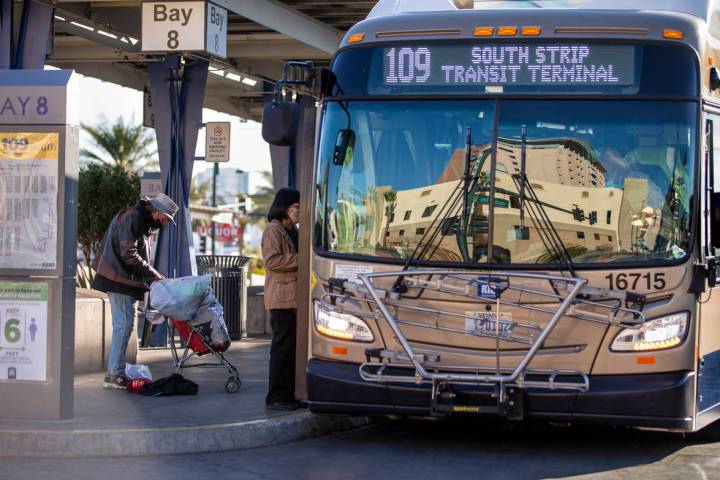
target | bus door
x=708, y=358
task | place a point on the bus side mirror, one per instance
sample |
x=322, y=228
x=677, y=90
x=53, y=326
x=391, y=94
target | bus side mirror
x=714, y=79
x=280, y=123
x=712, y=272
x=344, y=147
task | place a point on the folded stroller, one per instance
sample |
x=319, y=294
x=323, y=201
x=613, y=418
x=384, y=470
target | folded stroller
x=194, y=314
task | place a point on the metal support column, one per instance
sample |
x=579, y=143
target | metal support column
x=26, y=46
x=6, y=34
x=178, y=90
x=302, y=162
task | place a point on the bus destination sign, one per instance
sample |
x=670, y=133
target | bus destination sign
x=520, y=64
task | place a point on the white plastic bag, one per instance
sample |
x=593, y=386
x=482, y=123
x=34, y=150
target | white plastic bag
x=179, y=298
x=136, y=372
x=154, y=317
x=211, y=313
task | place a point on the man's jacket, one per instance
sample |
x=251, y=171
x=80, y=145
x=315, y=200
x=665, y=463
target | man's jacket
x=123, y=255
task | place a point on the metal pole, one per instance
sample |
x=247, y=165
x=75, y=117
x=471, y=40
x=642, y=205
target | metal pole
x=216, y=171
x=523, y=157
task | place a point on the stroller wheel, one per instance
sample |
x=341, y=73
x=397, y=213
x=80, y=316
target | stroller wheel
x=232, y=385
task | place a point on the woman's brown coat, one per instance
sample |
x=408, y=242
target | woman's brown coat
x=281, y=266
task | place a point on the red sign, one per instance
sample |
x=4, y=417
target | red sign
x=224, y=232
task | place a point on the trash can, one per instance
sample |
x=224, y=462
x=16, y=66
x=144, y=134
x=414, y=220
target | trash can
x=229, y=282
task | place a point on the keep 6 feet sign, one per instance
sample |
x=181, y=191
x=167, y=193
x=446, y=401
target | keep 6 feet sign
x=185, y=26
x=23, y=331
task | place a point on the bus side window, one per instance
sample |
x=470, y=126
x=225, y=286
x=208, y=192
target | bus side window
x=714, y=178
x=715, y=223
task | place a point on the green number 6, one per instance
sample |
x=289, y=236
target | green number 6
x=12, y=332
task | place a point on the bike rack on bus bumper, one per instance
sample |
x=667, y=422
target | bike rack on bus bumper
x=409, y=366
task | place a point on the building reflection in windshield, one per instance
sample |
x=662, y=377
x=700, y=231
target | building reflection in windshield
x=594, y=221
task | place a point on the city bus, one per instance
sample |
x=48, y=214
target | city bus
x=515, y=213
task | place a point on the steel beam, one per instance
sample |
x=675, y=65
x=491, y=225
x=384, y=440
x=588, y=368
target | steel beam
x=267, y=55
x=225, y=91
x=250, y=110
x=281, y=50
x=281, y=18
x=123, y=75
x=116, y=41
x=218, y=98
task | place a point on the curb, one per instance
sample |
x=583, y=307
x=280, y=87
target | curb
x=172, y=441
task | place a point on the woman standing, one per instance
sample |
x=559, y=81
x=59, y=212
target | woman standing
x=279, y=251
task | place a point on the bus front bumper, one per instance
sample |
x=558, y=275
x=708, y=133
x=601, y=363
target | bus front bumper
x=660, y=400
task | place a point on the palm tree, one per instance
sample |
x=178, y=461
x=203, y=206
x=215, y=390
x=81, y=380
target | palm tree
x=198, y=192
x=198, y=195
x=391, y=201
x=127, y=145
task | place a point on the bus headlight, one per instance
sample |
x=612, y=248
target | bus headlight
x=658, y=334
x=341, y=325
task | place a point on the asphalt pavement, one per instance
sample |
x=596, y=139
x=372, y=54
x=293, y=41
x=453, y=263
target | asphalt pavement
x=415, y=450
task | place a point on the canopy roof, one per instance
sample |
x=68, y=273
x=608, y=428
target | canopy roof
x=101, y=39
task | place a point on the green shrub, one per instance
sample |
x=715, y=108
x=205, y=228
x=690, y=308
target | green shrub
x=104, y=191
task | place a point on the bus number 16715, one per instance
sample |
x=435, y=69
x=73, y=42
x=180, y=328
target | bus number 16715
x=632, y=281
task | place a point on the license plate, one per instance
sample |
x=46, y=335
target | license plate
x=485, y=324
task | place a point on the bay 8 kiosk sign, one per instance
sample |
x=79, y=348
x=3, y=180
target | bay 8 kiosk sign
x=23, y=331
x=548, y=64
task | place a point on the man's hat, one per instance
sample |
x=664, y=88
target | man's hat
x=165, y=205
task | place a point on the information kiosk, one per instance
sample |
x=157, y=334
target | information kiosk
x=38, y=244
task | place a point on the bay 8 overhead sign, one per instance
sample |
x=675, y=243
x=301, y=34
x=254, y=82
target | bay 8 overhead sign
x=190, y=26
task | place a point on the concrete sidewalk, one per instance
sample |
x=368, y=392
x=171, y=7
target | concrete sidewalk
x=112, y=423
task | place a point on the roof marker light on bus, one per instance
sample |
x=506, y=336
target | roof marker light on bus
x=531, y=31
x=484, y=31
x=673, y=34
x=358, y=37
x=507, y=31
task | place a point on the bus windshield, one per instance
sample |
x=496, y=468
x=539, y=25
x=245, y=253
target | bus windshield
x=614, y=178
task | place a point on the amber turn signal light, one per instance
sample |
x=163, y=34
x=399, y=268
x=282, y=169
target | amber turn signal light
x=358, y=37
x=531, y=31
x=507, y=31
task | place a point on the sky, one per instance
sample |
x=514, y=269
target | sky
x=248, y=151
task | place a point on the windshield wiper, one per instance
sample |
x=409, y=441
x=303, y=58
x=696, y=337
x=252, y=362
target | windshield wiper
x=543, y=225
x=446, y=221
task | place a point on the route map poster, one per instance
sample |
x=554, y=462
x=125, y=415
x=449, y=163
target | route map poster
x=28, y=200
x=23, y=331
